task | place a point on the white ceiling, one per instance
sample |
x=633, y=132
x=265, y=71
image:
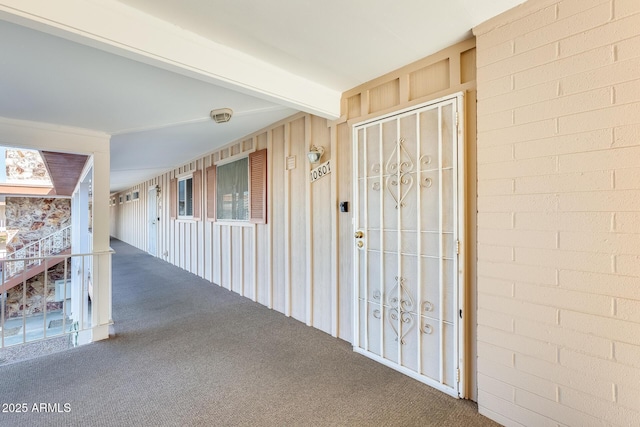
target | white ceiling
x=149, y=71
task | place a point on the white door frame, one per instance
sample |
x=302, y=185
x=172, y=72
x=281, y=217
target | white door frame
x=460, y=210
x=152, y=220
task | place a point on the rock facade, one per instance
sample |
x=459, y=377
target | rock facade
x=26, y=166
x=34, y=304
x=35, y=218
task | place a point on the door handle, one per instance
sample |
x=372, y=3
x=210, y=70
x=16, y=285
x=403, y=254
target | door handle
x=358, y=234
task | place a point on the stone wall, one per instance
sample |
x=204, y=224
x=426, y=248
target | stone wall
x=26, y=166
x=35, y=218
x=35, y=294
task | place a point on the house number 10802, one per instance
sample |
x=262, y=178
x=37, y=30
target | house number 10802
x=320, y=171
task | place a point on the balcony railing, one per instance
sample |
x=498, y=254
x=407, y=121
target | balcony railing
x=32, y=254
x=60, y=305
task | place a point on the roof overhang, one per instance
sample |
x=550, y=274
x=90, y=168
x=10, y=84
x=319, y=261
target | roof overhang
x=122, y=30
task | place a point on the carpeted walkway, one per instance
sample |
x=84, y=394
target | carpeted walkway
x=190, y=353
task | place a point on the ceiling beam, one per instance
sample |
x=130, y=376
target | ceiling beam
x=26, y=190
x=117, y=28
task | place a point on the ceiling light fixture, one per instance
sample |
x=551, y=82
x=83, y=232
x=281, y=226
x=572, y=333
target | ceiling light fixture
x=221, y=115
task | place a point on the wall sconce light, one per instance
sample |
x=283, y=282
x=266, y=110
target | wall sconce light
x=315, y=154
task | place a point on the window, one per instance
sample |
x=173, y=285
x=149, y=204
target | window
x=120, y=198
x=232, y=191
x=237, y=191
x=185, y=197
x=135, y=195
x=128, y=197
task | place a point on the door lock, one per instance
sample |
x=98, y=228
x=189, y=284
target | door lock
x=360, y=243
x=358, y=234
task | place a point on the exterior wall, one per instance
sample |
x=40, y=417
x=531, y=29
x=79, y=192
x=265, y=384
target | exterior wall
x=558, y=213
x=300, y=262
x=264, y=262
x=35, y=218
x=24, y=166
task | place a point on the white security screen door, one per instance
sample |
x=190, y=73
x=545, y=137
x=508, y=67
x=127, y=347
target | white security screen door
x=408, y=226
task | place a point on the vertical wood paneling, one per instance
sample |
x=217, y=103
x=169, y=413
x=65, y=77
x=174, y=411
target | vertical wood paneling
x=353, y=106
x=210, y=193
x=322, y=206
x=208, y=251
x=269, y=243
x=278, y=219
x=297, y=236
x=430, y=79
x=384, y=96
x=197, y=194
x=308, y=141
x=225, y=257
x=345, y=232
x=253, y=269
x=335, y=280
x=179, y=249
x=287, y=222
x=173, y=191
x=217, y=256
x=468, y=66
x=174, y=237
x=237, y=259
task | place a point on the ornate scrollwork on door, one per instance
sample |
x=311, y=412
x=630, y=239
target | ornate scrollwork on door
x=400, y=160
x=399, y=167
x=402, y=303
x=405, y=318
x=406, y=180
x=406, y=299
x=426, y=328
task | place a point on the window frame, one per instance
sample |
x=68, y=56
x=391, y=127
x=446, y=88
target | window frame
x=180, y=179
x=226, y=161
x=257, y=165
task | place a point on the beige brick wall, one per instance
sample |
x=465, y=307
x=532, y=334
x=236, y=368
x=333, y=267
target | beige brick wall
x=559, y=214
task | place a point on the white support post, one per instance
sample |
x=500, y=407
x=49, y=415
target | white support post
x=101, y=276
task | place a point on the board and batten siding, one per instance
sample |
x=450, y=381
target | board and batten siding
x=264, y=262
x=300, y=262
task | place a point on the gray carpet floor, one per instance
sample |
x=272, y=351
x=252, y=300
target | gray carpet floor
x=189, y=353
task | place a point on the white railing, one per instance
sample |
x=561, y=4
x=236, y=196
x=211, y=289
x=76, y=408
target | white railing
x=64, y=306
x=32, y=254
